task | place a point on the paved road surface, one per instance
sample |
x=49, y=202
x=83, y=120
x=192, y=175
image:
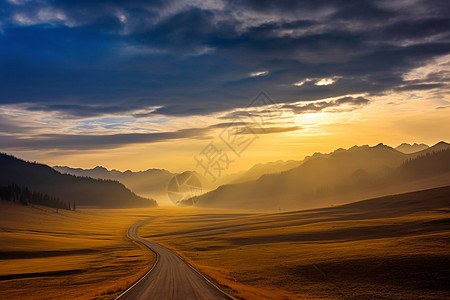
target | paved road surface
x=170, y=278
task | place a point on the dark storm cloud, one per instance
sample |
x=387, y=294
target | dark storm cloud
x=351, y=100
x=8, y=126
x=87, y=58
x=102, y=141
x=414, y=29
x=81, y=111
x=87, y=142
x=423, y=86
x=235, y=115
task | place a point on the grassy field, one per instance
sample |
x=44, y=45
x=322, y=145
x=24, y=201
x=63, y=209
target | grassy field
x=388, y=248
x=68, y=255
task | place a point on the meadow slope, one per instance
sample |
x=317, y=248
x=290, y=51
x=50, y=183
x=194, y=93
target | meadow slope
x=393, y=247
x=68, y=255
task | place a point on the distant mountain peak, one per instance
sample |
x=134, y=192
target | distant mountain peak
x=408, y=148
x=100, y=168
x=439, y=146
x=151, y=183
x=339, y=150
x=356, y=147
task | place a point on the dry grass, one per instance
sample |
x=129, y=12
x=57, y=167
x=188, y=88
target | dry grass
x=68, y=255
x=387, y=252
x=389, y=249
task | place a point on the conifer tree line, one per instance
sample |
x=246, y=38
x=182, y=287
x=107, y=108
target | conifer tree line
x=67, y=188
x=436, y=161
x=24, y=196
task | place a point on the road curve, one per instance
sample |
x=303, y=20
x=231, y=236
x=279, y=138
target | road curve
x=170, y=278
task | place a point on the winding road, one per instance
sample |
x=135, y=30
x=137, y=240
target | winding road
x=170, y=277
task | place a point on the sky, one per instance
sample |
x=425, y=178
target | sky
x=161, y=84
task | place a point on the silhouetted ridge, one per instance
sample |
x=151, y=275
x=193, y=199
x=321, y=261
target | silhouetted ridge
x=151, y=183
x=341, y=176
x=24, y=196
x=84, y=191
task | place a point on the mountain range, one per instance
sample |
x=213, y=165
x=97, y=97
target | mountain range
x=339, y=177
x=84, y=191
x=411, y=148
x=153, y=183
x=355, y=162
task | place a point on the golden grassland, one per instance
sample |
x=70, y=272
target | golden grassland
x=381, y=251
x=393, y=248
x=68, y=255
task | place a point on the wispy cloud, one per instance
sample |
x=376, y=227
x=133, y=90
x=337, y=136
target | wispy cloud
x=302, y=82
x=317, y=81
x=325, y=81
x=259, y=73
x=318, y=106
